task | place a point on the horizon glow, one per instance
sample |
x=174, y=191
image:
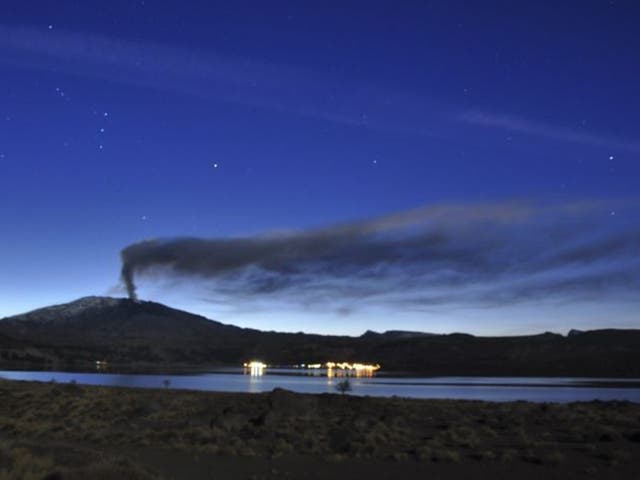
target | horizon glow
x=157, y=121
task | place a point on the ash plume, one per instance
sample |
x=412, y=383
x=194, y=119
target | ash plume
x=448, y=253
x=127, y=279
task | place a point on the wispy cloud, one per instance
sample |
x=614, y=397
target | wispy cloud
x=282, y=88
x=209, y=75
x=518, y=124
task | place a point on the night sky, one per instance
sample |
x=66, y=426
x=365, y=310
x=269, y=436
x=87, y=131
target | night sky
x=437, y=166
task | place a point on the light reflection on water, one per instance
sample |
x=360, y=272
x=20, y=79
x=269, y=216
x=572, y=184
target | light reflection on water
x=476, y=388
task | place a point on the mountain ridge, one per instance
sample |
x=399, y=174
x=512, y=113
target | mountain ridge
x=139, y=333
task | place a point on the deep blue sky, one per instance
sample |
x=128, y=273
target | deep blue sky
x=122, y=121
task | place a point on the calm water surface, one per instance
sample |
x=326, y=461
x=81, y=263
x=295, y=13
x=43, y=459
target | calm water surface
x=472, y=388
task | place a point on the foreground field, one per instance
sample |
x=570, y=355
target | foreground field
x=69, y=431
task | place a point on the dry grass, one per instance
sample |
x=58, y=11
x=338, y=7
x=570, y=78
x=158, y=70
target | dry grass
x=20, y=463
x=280, y=423
x=28, y=460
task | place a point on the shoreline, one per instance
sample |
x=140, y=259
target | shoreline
x=383, y=379
x=173, y=369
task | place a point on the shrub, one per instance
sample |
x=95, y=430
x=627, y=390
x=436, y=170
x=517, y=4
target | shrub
x=344, y=386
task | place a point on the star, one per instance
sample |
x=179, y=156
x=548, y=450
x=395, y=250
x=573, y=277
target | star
x=613, y=212
x=215, y=165
x=102, y=130
x=610, y=157
x=105, y=114
x=100, y=147
x=50, y=27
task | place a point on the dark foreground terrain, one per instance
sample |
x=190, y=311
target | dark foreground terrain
x=68, y=431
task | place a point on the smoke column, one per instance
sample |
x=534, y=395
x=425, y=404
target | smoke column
x=127, y=278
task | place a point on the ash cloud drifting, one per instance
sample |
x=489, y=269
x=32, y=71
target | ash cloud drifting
x=488, y=254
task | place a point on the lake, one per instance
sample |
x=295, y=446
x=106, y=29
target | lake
x=499, y=389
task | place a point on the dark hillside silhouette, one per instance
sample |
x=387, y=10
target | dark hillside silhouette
x=122, y=331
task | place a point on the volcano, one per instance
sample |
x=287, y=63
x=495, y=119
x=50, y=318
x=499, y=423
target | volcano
x=140, y=334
